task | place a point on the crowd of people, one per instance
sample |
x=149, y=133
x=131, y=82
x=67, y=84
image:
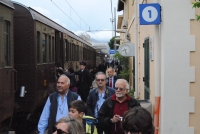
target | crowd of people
x=80, y=107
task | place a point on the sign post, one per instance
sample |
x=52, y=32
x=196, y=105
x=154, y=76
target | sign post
x=150, y=14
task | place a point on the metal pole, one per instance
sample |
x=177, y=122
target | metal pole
x=115, y=29
x=136, y=49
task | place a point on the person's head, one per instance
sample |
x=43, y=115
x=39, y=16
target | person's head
x=101, y=80
x=68, y=125
x=138, y=121
x=121, y=88
x=82, y=65
x=77, y=109
x=63, y=84
x=110, y=71
x=71, y=70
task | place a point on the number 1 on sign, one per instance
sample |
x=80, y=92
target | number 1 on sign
x=149, y=13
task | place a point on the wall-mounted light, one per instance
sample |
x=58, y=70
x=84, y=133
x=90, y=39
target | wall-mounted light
x=22, y=91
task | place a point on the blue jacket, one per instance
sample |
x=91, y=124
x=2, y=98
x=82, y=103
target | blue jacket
x=93, y=98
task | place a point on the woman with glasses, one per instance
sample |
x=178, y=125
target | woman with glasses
x=138, y=121
x=68, y=125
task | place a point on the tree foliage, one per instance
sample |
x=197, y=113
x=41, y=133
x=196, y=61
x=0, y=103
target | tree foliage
x=112, y=41
x=196, y=4
x=124, y=61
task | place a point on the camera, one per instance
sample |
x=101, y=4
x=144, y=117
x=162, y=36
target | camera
x=121, y=118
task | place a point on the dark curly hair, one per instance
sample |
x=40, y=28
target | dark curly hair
x=138, y=120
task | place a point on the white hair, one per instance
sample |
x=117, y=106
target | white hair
x=68, y=80
x=125, y=81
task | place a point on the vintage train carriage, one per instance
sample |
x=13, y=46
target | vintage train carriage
x=34, y=58
x=7, y=88
x=74, y=51
x=40, y=46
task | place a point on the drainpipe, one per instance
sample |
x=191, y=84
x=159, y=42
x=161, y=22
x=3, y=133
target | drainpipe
x=157, y=57
x=136, y=48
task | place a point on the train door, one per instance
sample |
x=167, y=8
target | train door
x=146, y=78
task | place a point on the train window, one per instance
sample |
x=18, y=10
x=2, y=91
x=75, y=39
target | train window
x=38, y=47
x=77, y=49
x=69, y=51
x=84, y=54
x=50, y=49
x=44, y=48
x=73, y=52
x=53, y=49
x=65, y=52
x=7, y=46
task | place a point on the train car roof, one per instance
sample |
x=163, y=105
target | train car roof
x=45, y=20
x=7, y=3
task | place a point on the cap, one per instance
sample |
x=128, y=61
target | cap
x=82, y=63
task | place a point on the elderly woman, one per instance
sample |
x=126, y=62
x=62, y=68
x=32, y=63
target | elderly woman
x=68, y=125
x=138, y=121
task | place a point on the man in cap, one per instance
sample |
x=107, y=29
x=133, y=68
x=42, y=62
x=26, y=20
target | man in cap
x=85, y=81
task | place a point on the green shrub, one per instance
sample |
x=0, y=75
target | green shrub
x=124, y=74
x=131, y=92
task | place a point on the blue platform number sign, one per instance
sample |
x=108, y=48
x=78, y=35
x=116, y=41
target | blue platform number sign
x=150, y=14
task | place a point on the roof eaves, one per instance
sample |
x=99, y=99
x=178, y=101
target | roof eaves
x=120, y=6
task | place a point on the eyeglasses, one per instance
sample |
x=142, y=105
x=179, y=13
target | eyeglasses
x=100, y=80
x=59, y=131
x=121, y=89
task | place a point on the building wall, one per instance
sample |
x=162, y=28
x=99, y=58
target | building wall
x=180, y=66
x=194, y=86
x=143, y=32
x=176, y=70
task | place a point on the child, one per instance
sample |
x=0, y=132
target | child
x=77, y=110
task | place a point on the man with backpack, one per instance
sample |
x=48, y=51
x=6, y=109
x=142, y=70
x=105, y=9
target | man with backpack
x=56, y=105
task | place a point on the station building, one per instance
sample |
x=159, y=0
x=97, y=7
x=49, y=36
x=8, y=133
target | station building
x=166, y=65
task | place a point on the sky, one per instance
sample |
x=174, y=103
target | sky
x=79, y=16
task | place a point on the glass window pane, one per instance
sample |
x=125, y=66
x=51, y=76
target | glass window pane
x=44, y=48
x=53, y=49
x=65, y=52
x=50, y=50
x=7, y=44
x=38, y=47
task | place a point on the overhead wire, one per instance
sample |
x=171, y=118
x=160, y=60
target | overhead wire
x=77, y=13
x=80, y=17
x=103, y=25
x=66, y=15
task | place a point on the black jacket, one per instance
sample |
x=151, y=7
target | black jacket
x=85, y=79
x=106, y=112
x=108, y=80
x=72, y=78
x=102, y=67
x=93, y=98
